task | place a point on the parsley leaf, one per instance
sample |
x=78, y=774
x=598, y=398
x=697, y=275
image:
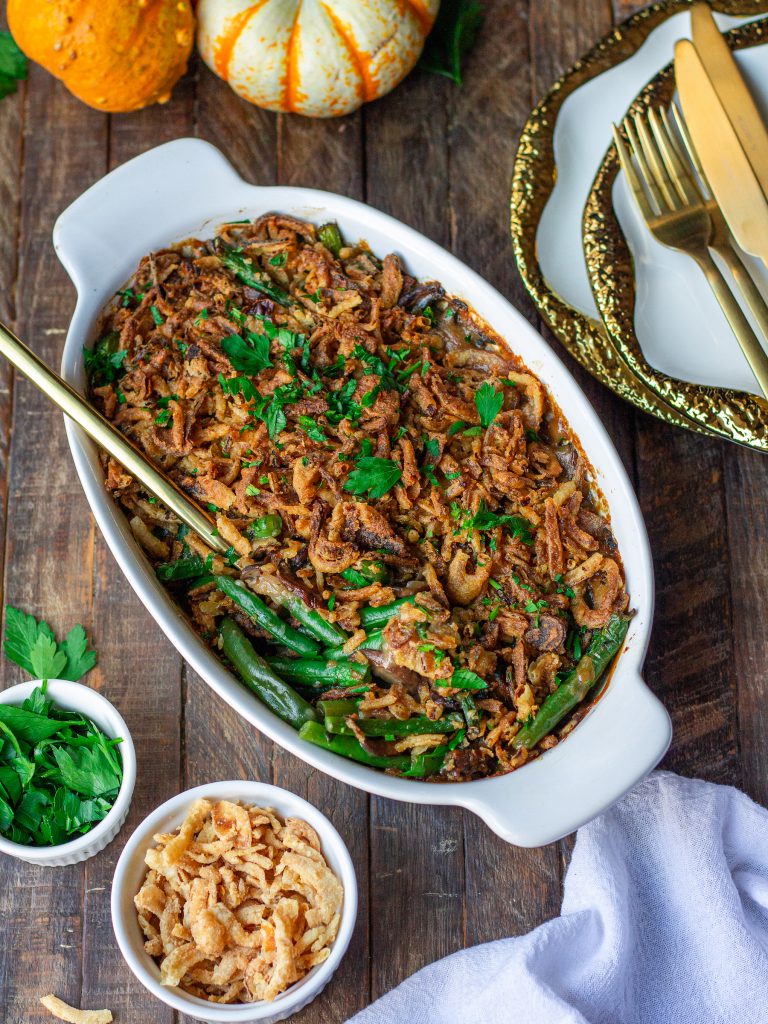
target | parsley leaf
x=455, y=31
x=373, y=476
x=518, y=526
x=312, y=429
x=464, y=679
x=245, y=272
x=238, y=386
x=13, y=64
x=489, y=402
x=104, y=362
x=32, y=645
x=249, y=355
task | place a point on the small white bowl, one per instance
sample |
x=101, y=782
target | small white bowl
x=77, y=697
x=131, y=869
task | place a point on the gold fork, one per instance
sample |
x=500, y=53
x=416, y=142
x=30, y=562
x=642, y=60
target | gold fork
x=678, y=216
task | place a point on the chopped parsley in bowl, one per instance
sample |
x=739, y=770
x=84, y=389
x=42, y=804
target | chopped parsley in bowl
x=67, y=763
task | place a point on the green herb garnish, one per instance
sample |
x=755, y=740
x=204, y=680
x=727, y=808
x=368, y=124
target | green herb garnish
x=373, y=476
x=59, y=774
x=489, y=402
x=13, y=64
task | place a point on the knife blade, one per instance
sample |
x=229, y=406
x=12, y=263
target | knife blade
x=729, y=84
x=729, y=173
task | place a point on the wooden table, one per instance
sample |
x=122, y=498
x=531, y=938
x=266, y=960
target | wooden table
x=431, y=880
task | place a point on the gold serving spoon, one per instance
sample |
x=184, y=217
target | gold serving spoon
x=109, y=438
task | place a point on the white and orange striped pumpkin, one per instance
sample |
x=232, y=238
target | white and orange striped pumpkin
x=321, y=58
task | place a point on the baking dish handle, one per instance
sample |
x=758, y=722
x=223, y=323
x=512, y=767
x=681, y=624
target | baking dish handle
x=628, y=716
x=156, y=197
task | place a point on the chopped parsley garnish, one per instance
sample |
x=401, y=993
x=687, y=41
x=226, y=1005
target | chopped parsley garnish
x=104, y=362
x=373, y=476
x=279, y=259
x=489, y=402
x=59, y=773
x=157, y=316
x=252, y=491
x=238, y=386
x=518, y=526
x=248, y=355
x=127, y=295
x=245, y=272
x=464, y=679
x=456, y=427
x=340, y=403
x=201, y=317
x=312, y=429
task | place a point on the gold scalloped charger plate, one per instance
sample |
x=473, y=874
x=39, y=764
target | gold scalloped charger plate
x=731, y=414
x=584, y=336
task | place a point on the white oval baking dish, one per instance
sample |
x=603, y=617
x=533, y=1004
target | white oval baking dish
x=186, y=188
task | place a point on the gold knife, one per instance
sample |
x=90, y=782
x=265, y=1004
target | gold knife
x=729, y=173
x=734, y=94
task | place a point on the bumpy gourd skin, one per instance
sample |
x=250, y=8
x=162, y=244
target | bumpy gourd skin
x=114, y=55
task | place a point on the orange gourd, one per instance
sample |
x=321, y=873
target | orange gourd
x=114, y=55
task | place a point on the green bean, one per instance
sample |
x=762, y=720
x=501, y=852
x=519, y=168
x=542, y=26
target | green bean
x=188, y=567
x=603, y=647
x=337, y=708
x=308, y=672
x=374, y=642
x=347, y=746
x=263, y=616
x=259, y=677
x=270, y=525
x=330, y=236
x=374, y=617
x=420, y=725
x=427, y=764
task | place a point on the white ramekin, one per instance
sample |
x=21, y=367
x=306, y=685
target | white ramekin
x=131, y=869
x=77, y=697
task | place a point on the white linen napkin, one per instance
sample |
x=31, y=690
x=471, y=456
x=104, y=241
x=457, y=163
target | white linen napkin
x=664, y=921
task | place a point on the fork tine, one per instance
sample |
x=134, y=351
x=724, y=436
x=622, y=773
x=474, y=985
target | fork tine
x=693, y=156
x=646, y=175
x=681, y=177
x=656, y=165
x=635, y=184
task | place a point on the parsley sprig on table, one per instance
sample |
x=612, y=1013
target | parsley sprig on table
x=13, y=65
x=59, y=773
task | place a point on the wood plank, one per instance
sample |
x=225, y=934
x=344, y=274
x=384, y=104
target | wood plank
x=11, y=150
x=417, y=852
x=328, y=155
x=746, y=486
x=48, y=559
x=689, y=665
x=140, y=669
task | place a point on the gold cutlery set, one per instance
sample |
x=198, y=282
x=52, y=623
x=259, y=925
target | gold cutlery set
x=694, y=152
x=700, y=180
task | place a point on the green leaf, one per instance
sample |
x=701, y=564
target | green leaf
x=518, y=526
x=27, y=726
x=249, y=356
x=21, y=633
x=244, y=270
x=46, y=659
x=79, y=659
x=87, y=772
x=13, y=64
x=12, y=61
x=373, y=476
x=455, y=31
x=239, y=386
x=104, y=362
x=6, y=815
x=464, y=679
x=489, y=402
